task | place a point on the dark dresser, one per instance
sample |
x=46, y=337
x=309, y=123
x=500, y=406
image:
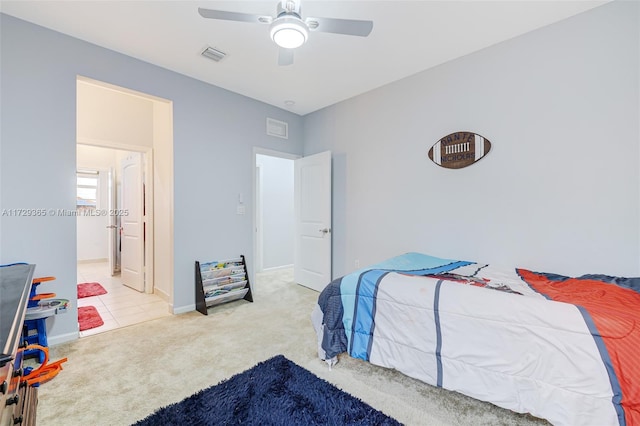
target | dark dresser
x=17, y=403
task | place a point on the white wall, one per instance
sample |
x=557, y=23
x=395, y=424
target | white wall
x=94, y=157
x=110, y=115
x=558, y=192
x=92, y=229
x=278, y=219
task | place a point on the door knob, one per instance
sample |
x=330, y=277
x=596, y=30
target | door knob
x=325, y=230
x=111, y=227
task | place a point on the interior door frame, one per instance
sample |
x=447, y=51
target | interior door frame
x=255, y=211
x=147, y=161
x=112, y=243
x=258, y=217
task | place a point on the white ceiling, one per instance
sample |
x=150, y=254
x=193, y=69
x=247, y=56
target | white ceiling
x=407, y=37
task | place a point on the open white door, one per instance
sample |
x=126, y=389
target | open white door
x=112, y=227
x=312, y=198
x=132, y=223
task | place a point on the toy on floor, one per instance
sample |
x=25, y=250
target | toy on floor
x=40, y=307
x=43, y=373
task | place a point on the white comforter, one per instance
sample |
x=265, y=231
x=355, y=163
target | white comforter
x=514, y=347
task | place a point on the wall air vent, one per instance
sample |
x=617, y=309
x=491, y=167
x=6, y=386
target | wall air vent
x=214, y=54
x=277, y=128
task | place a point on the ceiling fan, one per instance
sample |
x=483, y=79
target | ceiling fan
x=288, y=30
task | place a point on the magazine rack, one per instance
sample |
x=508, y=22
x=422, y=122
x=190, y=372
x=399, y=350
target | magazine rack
x=220, y=282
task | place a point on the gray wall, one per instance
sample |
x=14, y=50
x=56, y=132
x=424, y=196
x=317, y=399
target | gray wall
x=558, y=192
x=214, y=135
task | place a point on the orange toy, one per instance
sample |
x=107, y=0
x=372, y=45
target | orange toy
x=46, y=371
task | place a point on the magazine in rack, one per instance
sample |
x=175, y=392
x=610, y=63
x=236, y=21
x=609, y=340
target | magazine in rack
x=220, y=282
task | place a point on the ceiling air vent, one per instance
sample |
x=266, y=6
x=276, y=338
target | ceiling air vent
x=277, y=128
x=214, y=54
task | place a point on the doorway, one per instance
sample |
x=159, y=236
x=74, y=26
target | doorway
x=100, y=198
x=119, y=122
x=311, y=220
x=274, y=212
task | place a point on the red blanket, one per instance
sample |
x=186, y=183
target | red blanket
x=613, y=315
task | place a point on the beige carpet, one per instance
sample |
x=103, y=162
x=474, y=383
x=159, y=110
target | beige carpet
x=121, y=376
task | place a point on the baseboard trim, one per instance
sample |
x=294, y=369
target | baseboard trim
x=101, y=260
x=164, y=296
x=63, y=338
x=183, y=309
x=277, y=268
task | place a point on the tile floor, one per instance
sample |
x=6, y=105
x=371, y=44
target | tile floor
x=121, y=306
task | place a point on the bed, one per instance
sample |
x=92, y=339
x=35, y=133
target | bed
x=561, y=348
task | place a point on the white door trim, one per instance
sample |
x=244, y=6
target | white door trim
x=259, y=231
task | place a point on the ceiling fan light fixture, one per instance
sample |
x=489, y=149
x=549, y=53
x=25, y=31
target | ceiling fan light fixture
x=289, y=32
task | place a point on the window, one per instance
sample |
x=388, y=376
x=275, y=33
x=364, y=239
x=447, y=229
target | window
x=87, y=190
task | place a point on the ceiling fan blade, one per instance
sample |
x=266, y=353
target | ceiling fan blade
x=234, y=16
x=285, y=56
x=340, y=26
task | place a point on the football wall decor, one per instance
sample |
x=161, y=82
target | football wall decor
x=459, y=149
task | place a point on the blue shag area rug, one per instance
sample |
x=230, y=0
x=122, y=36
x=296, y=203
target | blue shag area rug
x=274, y=392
